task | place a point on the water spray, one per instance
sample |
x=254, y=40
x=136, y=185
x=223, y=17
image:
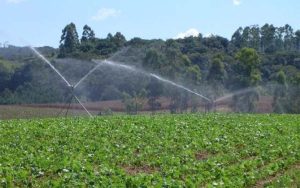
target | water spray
x=48, y=62
x=120, y=65
x=63, y=78
x=179, y=86
x=85, y=76
x=131, y=68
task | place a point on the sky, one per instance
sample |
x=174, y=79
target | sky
x=40, y=22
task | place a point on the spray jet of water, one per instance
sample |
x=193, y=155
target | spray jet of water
x=179, y=86
x=83, y=106
x=131, y=68
x=85, y=76
x=239, y=92
x=48, y=62
x=62, y=77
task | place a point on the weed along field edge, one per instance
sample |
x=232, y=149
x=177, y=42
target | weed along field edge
x=208, y=150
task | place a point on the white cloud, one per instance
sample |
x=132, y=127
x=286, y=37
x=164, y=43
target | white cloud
x=237, y=2
x=14, y=1
x=191, y=32
x=105, y=13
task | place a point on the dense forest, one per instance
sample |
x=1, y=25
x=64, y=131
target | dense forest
x=265, y=58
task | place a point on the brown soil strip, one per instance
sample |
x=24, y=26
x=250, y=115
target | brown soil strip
x=202, y=155
x=133, y=170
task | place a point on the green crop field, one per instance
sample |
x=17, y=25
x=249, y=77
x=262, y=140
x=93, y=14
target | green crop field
x=212, y=150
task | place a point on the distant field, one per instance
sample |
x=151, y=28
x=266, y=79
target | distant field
x=264, y=105
x=25, y=112
x=212, y=150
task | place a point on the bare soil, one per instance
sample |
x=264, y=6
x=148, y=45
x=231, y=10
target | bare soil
x=202, y=155
x=133, y=170
x=264, y=105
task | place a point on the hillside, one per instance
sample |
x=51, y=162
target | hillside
x=266, y=56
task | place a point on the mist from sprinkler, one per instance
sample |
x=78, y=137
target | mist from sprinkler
x=116, y=65
x=61, y=76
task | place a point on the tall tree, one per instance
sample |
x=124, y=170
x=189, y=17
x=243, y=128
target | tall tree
x=255, y=37
x=267, y=38
x=248, y=61
x=216, y=76
x=280, y=92
x=237, y=38
x=87, y=39
x=297, y=40
x=69, y=41
x=216, y=71
x=279, y=38
x=288, y=37
x=87, y=34
x=246, y=37
x=119, y=39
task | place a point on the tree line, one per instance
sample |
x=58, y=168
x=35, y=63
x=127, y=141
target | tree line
x=210, y=65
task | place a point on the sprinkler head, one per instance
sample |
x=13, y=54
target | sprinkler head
x=71, y=86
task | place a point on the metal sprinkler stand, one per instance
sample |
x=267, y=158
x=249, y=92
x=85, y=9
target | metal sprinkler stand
x=72, y=89
x=210, y=106
x=69, y=101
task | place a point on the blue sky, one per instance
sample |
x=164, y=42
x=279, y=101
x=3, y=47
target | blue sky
x=39, y=22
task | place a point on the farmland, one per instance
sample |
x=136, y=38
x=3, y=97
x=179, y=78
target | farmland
x=26, y=111
x=200, y=150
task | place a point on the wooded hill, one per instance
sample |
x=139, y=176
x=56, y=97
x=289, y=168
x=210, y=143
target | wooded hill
x=266, y=56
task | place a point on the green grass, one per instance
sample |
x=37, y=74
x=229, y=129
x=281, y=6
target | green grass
x=211, y=150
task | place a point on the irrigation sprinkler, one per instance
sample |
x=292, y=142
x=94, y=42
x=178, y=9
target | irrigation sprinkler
x=161, y=79
x=209, y=103
x=72, y=87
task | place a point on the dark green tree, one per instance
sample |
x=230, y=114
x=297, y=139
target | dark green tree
x=6, y=73
x=280, y=92
x=87, y=34
x=193, y=74
x=297, y=40
x=288, y=37
x=87, y=39
x=119, y=40
x=250, y=76
x=246, y=37
x=216, y=76
x=69, y=41
x=254, y=37
x=216, y=71
x=153, y=60
x=279, y=40
x=267, y=33
x=237, y=38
